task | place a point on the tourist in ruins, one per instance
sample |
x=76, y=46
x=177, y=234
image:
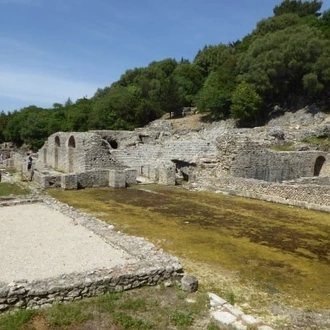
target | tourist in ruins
x=1, y=159
x=29, y=164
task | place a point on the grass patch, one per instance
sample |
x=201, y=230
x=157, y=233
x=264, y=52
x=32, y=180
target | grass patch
x=322, y=142
x=181, y=319
x=141, y=309
x=107, y=303
x=68, y=314
x=15, y=320
x=283, y=147
x=129, y=322
x=7, y=189
x=230, y=297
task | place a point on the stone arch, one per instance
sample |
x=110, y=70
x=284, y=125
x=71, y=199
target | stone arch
x=72, y=142
x=71, y=150
x=318, y=165
x=57, y=142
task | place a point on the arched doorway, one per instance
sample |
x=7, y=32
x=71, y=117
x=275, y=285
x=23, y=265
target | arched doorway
x=57, y=146
x=72, y=146
x=318, y=165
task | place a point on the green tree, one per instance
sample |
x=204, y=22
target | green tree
x=276, y=23
x=189, y=80
x=213, y=57
x=246, y=102
x=215, y=96
x=301, y=8
x=78, y=114
x=4, y=118
x=34, y=132
x=278, y=62
x=28, y=126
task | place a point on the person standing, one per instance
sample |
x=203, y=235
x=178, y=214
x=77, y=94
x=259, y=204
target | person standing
x=29, y=163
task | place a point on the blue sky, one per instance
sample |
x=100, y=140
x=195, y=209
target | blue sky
x=55, y=49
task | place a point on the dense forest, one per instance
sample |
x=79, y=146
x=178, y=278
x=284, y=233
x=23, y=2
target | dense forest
x=284, y=61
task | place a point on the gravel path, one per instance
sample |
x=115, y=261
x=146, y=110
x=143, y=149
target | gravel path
x=38, y=242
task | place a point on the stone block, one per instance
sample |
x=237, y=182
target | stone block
x=69, y=182
x=249, y=319
x=216, y=300
x=224, y=317
x=130, y=176
x=233, y=310
x=154, y=174
x=117, y=179
x=167, y=176
x=189, y=283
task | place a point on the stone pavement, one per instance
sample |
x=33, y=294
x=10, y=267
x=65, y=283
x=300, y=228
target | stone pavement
x=227, y=314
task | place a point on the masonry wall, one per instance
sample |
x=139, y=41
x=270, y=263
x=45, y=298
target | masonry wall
x=77, y=286
x=75, y=152
x=307, y=196
x=184, y=150
x=267, y=165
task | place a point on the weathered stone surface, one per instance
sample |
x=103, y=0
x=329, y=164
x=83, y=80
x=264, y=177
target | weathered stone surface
x=216, y=300
x=189, y=283
x=249, y=319
x=224, y=317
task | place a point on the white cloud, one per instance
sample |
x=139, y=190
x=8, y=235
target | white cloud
x=41, y=88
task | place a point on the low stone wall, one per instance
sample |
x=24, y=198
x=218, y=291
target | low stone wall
x=23, y=294
x=154, y=267
x=314, y=197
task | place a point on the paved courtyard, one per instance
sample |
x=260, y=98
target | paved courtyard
x=38, y=242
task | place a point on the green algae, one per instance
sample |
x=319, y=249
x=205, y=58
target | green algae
x=282, y=250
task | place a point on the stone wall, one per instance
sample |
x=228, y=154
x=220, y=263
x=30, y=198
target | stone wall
x=75, y=152
x=267, y=165
x=70, y=287
x=87, y=179
x=183, y=150
x=315, y=197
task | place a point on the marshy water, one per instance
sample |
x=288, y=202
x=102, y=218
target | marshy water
x=282, y=252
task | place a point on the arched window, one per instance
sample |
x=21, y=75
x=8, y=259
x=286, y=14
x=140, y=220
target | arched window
x=72, y=142
x=57, y=141
x=318, y=165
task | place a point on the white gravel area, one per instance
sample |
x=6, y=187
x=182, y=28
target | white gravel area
x=38, y=242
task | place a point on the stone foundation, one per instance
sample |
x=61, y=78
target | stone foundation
x=153, y=267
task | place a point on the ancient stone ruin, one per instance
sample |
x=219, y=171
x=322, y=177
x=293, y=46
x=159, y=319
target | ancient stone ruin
x=217, y=156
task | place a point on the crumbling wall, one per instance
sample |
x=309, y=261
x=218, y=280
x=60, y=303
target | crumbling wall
x=75, y=152
x=183, y=150
x=267, y=165
x=310, y=196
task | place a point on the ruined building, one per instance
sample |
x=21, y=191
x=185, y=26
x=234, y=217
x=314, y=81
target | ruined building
x=165, y=152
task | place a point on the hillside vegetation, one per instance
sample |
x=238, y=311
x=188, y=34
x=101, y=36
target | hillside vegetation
x=284, y=61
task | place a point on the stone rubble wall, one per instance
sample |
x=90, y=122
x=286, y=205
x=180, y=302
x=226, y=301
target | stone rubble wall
x=184, y=150
x=154, y=267
x=268, y=165
x=314, y=197
x=75, y=152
